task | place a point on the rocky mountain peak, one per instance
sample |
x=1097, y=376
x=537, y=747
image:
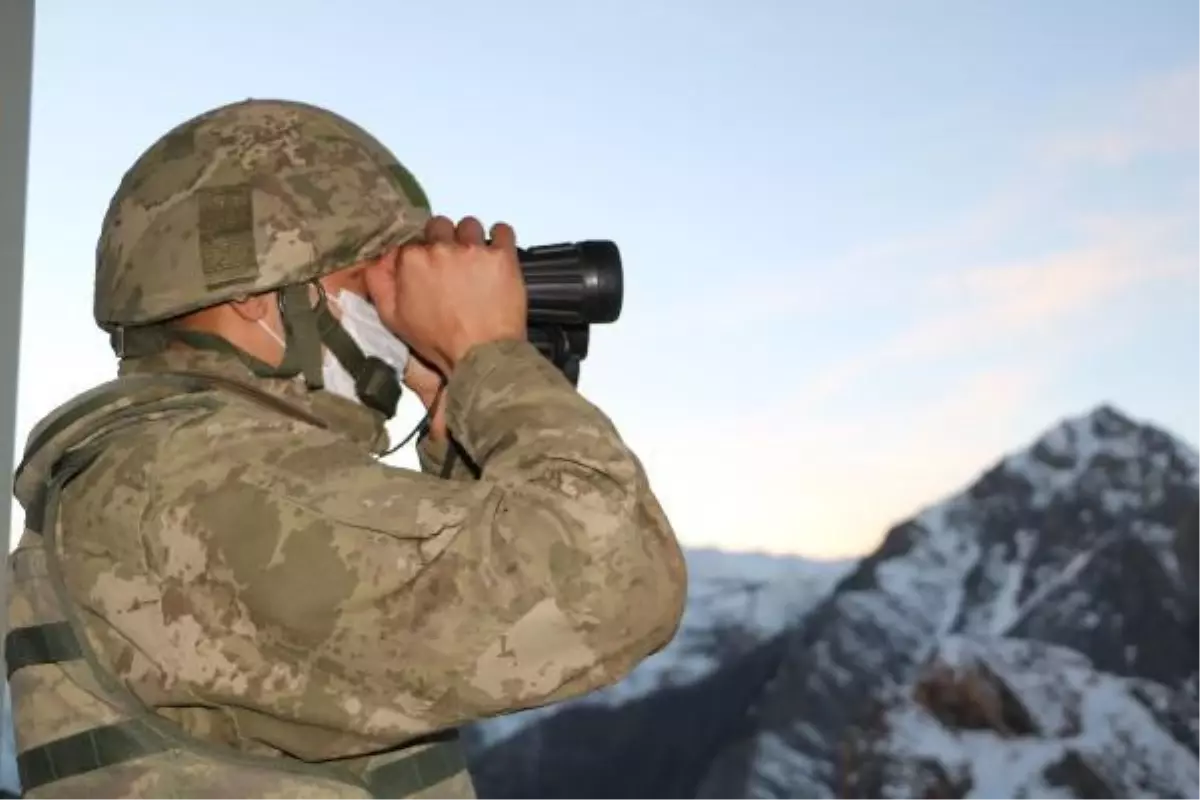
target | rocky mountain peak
x=1082, y=483
x=1035, y=634
x=1073, y=541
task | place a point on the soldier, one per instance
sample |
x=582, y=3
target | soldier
x=221, y=591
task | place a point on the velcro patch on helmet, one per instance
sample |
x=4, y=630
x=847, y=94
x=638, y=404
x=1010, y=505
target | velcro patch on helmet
x=228, y=255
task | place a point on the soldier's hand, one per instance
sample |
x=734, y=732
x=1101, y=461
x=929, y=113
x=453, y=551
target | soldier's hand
x=452, y=291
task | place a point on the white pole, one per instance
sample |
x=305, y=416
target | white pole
x=16, y=89
x=16, y=79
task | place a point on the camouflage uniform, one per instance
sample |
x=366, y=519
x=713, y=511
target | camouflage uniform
x=222, y=592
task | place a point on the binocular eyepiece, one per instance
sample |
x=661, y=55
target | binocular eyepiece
x=570, y=287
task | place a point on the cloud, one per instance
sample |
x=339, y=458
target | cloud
x=969, y=308
x=972, y=309
x=1023, y=297
x=1157, y=115
x=871, y=272
x=866, y=276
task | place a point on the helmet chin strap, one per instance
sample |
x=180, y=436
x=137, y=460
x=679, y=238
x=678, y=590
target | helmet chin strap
x=306, y=328
x=375, y=381
x=301, y=336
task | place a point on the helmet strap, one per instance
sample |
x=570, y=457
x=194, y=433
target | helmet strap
x=149, y=340
x=302, y=353
x=305, y=329
x=302, y=348
x=375, y=381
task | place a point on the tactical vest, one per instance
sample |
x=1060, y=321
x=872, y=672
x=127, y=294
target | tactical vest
x=80, y=732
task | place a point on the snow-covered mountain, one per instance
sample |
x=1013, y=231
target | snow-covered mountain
x=1075, y=541
x=1080, y=548
x=1008, y=717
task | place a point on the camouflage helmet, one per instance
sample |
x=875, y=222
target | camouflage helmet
x=245, y=198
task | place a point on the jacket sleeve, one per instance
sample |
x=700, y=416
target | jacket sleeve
x=299, y=579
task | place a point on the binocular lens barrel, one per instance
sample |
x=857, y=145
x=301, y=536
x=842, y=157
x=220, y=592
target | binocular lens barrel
x=576, y=283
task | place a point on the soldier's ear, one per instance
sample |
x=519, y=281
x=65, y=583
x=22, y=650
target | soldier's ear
x=253, y=309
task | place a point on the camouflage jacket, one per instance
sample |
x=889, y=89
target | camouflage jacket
x=264, y=582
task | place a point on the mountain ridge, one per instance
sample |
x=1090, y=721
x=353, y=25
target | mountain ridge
x=1056, y=524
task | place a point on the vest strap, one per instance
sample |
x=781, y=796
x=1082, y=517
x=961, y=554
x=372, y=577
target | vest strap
x=66, y=468
x=50, y=643
x=416, y=772
x=83, y=752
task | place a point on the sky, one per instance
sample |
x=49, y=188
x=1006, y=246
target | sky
x=869, y=247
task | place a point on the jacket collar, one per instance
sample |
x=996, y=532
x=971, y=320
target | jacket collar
x=352, y=420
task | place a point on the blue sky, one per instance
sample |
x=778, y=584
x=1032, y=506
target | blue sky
x=869, y=247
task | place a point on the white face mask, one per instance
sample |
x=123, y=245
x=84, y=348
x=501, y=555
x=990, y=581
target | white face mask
x=361, y=322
